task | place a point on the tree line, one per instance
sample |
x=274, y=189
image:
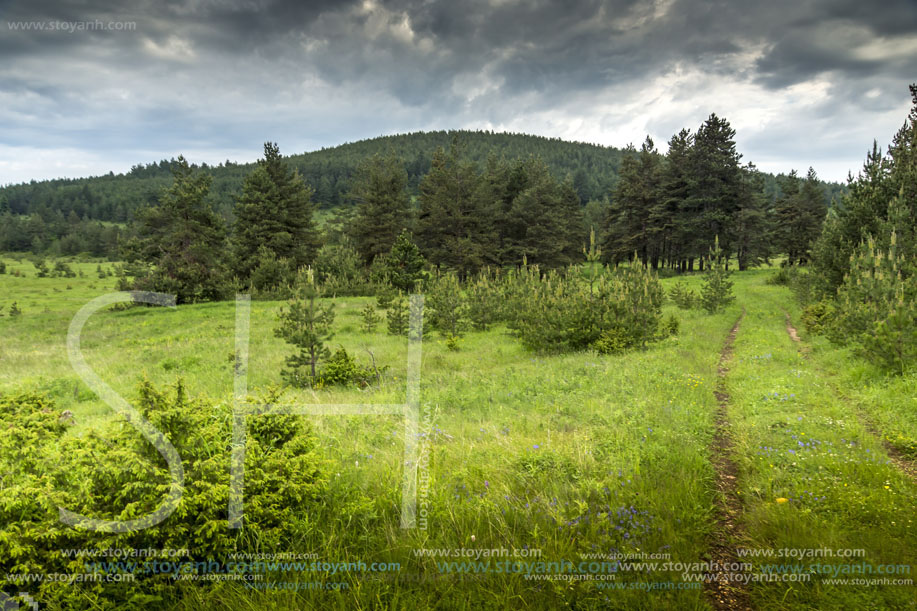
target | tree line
x=40, y=214
x=670, y=209
x=667, y=210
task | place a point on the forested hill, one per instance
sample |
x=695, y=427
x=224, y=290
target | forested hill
x=114, y=197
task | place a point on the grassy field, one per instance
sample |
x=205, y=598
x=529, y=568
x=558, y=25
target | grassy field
x=553, y=458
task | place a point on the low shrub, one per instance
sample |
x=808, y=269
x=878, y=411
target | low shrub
x=817, y=316
x=116, y=474
x=682, y=296
x=560, y=312
x=341, y=369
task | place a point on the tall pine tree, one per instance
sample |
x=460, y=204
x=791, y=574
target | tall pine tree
x=181, y=241
x=383, y=206
x=453, y=229
x=713, y=192
x=627, y=227
x=274, y=212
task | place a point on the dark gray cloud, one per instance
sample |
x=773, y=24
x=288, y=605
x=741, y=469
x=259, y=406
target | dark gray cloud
x=804, y=82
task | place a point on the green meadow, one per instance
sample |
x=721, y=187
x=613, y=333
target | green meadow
x=555, y=459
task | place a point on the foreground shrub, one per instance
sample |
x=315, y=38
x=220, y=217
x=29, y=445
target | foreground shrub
x=116, y=474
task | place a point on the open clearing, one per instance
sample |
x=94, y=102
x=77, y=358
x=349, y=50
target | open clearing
x=577, y=456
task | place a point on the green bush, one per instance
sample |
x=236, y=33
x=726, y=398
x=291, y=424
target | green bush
x=404, y=264
x=482, y=300
x=271, y=277
x=42, y=268
x=682, y=296
x=670, y=327
x=340, y=272
x=817, y=316
x=560, y=312
x=116, y=474
x=452, y=342
x=782, y=277
x=305, y=325
x=384, y=297
x=62, y=270
x=341, y=369
x=613, y=341
x=877, y=306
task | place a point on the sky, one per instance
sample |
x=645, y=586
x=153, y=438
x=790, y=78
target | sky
x=89, y=87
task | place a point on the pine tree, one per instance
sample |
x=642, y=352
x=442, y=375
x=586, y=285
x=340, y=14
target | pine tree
x=370, y=318
x=397, y=316
x=716, y=292
x=627, y=227
x=800, y=209
x=181, y=241
x=751, y=227
x=383, y=207
x=857, y=217
x=814, y=208
x=573, y=232
x=482, y=301
x=448, y=311
x=307, y=326
x=452, y=227
x=404, y=264
x=671, y=211
x=274, y=211
x=714, y=186
x=537, y=228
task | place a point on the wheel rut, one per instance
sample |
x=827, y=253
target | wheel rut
x=898, y=458
x=723, y=592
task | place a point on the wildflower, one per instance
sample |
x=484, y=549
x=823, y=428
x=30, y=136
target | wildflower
x=781, y=500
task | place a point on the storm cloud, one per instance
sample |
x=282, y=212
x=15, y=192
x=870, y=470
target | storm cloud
x=88, y=87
